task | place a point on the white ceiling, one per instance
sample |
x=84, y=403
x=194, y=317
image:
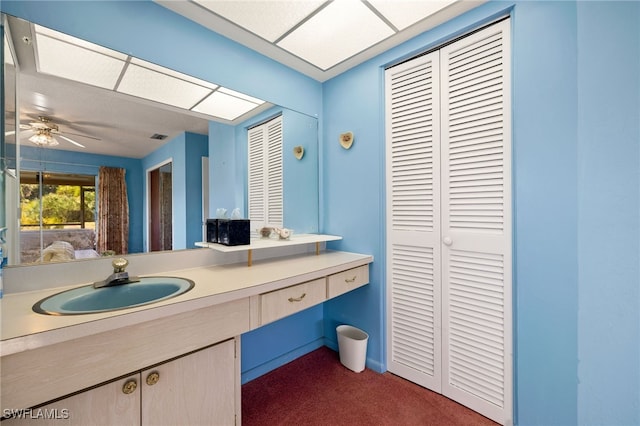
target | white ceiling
x=320, y=38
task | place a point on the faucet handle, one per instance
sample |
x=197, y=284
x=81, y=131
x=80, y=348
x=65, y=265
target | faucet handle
x=119, y=265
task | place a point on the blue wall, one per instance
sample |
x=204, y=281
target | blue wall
x=185, y=152
x=61, y=161
x=223, y=177
x=576, y=164
x=609, y=213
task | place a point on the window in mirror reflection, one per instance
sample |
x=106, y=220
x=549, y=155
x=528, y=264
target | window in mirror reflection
x=57, y=220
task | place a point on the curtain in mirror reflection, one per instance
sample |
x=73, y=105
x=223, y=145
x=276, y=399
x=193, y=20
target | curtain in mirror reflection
x=113, y=211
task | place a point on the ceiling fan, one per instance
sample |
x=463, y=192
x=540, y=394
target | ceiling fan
x=45, y=132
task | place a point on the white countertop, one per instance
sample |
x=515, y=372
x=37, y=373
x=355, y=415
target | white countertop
x=23, y=329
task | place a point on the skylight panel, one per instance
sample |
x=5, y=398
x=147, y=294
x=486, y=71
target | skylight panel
x=241, y=96
x=225, y=106
x=339, y=31
x=65, y=56
x=87, y=66
x=163, y=70
x=78, y=42
x=403, y=13
x=156, y=86
x=266, y=18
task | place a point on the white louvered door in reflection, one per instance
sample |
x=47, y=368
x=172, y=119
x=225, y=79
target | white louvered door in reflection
x=449, y=222
x=265, y=173
x=413, y=226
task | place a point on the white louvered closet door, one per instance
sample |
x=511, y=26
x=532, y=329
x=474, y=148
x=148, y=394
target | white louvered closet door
x=476, y=226
x=474, y=234
x=266, y=174
x=413, y=224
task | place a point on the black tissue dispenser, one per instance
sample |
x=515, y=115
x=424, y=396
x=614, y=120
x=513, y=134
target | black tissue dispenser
x=231, y=232
x=212, y=230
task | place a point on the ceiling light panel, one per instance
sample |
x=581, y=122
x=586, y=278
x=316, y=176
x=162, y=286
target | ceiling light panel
x=403, y=13
x=337, y=32
x=267, y=18
x=88, y=66
x=241, y=96
x=78, y=42
x=225, y=106
x=173, y=73
x=159, y=87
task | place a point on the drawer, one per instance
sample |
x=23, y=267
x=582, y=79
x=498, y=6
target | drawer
x=280, y=303
x=345, y=281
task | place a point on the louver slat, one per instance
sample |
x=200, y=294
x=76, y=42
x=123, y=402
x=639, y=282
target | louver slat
x=275, y=204
x=476, y=136
x=412, y=301
x=256, y=194
x=411, y=116
x=475, y=291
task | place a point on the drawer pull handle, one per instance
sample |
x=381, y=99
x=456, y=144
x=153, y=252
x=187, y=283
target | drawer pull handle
x=297, y=299
x=350, y=280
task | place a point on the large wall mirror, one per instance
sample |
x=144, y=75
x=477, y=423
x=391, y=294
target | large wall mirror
x=66, y=124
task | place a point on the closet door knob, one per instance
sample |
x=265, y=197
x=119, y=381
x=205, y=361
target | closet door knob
x=447, y=241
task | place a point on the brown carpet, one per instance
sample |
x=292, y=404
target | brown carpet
x=317, y=390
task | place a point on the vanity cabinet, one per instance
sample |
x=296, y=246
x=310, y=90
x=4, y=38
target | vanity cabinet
x=81, y=365
x=195, y=389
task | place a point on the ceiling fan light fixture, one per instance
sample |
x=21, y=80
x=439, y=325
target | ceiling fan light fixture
x=43, y=137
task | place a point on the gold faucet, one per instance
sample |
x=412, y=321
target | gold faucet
x=119, y=276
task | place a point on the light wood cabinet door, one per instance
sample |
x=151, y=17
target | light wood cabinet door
x=196, y=389
x=105, y=405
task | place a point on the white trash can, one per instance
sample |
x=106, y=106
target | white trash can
x=352, y=347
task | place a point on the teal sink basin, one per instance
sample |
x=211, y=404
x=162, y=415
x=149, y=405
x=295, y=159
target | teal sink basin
x=90, y=300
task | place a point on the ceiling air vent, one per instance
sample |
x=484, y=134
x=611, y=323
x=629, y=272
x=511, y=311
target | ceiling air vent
x=158, y=136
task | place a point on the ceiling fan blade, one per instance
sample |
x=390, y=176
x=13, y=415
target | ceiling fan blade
x=71, y=140
x=59, y=133
x=84, y=136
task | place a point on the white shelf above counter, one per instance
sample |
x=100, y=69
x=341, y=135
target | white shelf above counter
x=258, y=243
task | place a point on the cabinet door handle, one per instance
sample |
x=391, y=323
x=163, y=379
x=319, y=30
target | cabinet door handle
x=129, y=386
x=350, y=280
x=297, y=299
x=153, y=378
